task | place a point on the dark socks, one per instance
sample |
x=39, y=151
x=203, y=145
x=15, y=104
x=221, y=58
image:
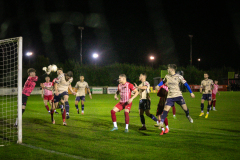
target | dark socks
x=208, y=108
x=76, y=106
x=187, y=112
x=153, y=117
x=142, y=119
x=202, y=106
x=164, y=115
x=67, y=106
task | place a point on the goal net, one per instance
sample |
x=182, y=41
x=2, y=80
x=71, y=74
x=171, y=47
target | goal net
x=10, y=90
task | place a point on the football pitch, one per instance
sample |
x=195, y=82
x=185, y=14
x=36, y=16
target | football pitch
x=88, y=136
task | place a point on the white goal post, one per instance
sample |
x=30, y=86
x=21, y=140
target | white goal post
x=10, y=90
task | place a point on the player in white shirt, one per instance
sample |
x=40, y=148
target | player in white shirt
x=61, y=86
x=145, y=101
x=174, y=92
x=206, y=90
x=80, y=95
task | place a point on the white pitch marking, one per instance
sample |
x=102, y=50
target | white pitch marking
x=52, y=151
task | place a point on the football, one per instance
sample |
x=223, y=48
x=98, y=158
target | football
x=54, y=68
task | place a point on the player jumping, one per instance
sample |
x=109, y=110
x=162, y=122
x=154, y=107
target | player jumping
x=214, y=92
x=206, y=90
x=29, y=86
x=81, y=86
x=124, y=89
x=61, y=86
x=145, y=102
x=174, y=92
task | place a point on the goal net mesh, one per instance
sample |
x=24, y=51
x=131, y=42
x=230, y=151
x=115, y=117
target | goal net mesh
x=8, y=90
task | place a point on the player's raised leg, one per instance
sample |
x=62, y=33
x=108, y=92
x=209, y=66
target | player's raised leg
x=164, y=114
x=186, y=110
x=147, y=112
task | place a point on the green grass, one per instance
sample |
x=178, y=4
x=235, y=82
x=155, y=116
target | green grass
x=88, y=136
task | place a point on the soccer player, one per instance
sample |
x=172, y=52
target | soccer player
x=81, y=86
x=162, y=93
x=145, y=102
x=124, y=89
x=174, y=92
x=214, y=92
x=47, y=94
x=29, y=86
x=206, y=90
x=61, y=86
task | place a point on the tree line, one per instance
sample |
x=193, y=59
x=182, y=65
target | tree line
x=107, y=75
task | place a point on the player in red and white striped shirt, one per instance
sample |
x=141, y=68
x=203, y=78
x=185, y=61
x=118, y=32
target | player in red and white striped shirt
x=124, y=89
x=47, y=94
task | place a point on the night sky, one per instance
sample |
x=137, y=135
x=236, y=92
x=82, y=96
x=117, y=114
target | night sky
x=127, y=31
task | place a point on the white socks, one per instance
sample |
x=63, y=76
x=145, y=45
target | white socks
x=115, y=124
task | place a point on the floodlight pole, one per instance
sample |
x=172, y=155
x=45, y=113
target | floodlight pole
x=190, y=36
x=81, y=28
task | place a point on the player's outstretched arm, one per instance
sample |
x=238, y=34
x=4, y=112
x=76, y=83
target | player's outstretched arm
x=70, y=88
x=189, y=89
x=135, y=85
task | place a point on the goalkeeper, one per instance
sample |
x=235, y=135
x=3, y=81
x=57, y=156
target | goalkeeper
x=30, y=85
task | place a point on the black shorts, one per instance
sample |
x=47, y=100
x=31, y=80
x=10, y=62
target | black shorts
x=24, y=99
x=59, y=97
x=161, y=105
x=144, y=104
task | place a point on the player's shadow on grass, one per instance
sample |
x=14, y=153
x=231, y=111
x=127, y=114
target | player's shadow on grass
x=229, y=130
x=96, y=122
x=38, y=121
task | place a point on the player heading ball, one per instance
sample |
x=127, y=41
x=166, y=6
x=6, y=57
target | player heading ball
x=174, y=92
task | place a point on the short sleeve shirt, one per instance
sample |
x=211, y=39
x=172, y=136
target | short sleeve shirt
x=173, y=85
x=80, y=86
x=125, y=91
x=206, y=85
x=215, y=89
x=144, y=94
x=47, y=92
x=62, y=83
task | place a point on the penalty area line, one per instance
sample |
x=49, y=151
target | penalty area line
x=55, y=152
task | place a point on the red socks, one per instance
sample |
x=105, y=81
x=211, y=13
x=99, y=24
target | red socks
x=64, y=115
x=52, y=111
x=214, y=103
x=166, y=122
x=113, y=113
x=126, y=117
x=47, y=107
x=174, y=110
